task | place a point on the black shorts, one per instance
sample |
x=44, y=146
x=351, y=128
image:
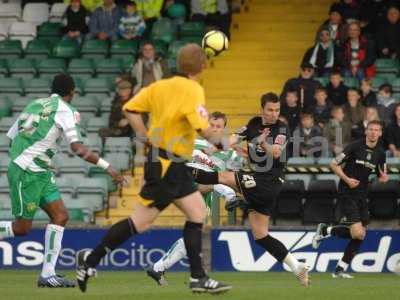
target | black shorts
x=353, y=207
x=165, y=182
x=260, y=191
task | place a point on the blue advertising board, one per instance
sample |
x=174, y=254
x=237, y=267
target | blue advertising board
x=27, y=252
x=235, y=250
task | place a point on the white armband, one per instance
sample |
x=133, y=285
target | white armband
x=103, y=163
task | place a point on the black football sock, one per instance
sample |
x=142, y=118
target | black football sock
x=116, y=235
x=351, y=250
x=273, y=246
x=192, y=236
x=341, y=231
x=204, y=177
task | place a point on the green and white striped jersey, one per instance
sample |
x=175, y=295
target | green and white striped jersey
x=39, y=129
x=217, y=161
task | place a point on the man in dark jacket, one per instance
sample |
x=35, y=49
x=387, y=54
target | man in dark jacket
x=388, y=37
x=337, y=91
x=392, y=133
x=305, y=86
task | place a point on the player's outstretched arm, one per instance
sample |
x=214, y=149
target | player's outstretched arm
x=82, y=151
x=338, y=170
x=137, y=124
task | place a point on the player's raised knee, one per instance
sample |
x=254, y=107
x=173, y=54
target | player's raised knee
x=21, y=228
x=60, y=218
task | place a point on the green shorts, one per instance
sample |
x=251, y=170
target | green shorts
x=30, y=190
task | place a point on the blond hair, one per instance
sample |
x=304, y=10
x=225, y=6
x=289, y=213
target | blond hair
x=191, y=59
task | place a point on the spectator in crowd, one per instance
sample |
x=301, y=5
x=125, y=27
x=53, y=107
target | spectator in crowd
x=392, y=132
x=388, y=37
x=214, y=13
x=149, y=67
x=386, y=102
x=75, y=20
x=118, y=125
x=150, y=10
x=131, y=25
x=337, y=131
x=358, y=130
x=351, y=10
x=290, y=110
x=334, y=24
x=353, y=110
x=368, y=96
x=322, y=108
x=322, y=54
x=305, y=86
x=104, y=21
x=337, y=91
x=308, y=136
x=357, y=55
x=90, y=5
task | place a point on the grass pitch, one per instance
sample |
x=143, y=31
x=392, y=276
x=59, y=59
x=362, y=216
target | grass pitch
x=21, y=285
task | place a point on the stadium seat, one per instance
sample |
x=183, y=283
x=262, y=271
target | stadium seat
x=19, y=103
x=119, y=160
x=57, y=11
x=94, y=49
x=38, y=49
x=105, y=105
x=4, y=158
x=37, y=86
x=6, y=123
x=319, y=206
x=96, y=172
x=387, y=65
x=122, y=48
x=94, y=143
x=333, y=177
x=290, y=200
x=65, y=49
x=351, y=82
x=118, y=144
x=36, y=13
x=108, y=67
x=73, y=166
x=172, y=65
x=49, y=29
x=11, y=86
x=192, y=29
x=174, y=47
x=67, y=187
x=95, y=124
x=396, y=85
x=192, y=39
x=85, y=104
x=10, y=49
x=22, y=31
x=22, y=68
x=82, y=67
x=5, y=202
x=5, y=106
x=3, y=68
x=164, y=30
x=377, y=82
x=3, y=31
x=10, y=12
x=383, y=199
x=306, y=178
x=51, y=66
x=98, y=86
x=93, y=192
x=79, y=80
x=4, y=143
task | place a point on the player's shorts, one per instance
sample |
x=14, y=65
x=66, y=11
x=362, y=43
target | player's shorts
x=353, y=207
x=260, y=191
x=30, y=190
x=165, y=181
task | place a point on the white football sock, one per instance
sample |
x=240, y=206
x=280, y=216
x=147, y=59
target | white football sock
x=292, y=262
x=343, y=265
x=53, y=238
x=174, y=254
x=6, y=230
x=225, y=191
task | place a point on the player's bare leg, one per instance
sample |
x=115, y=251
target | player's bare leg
x=259, y=227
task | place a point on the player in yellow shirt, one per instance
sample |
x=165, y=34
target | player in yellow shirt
x=177, y=114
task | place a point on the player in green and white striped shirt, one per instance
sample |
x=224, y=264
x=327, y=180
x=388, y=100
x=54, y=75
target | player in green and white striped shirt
x=35, y=136
x=208, y=158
